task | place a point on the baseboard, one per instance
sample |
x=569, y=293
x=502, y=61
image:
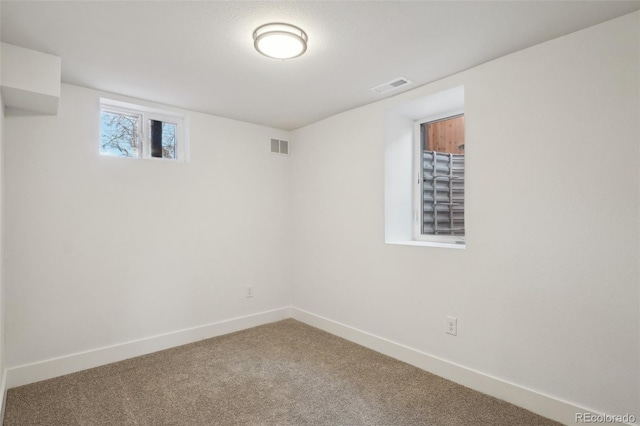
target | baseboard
x=539, y=403
x=3, y=394
x=47, y=369
x=544, y=405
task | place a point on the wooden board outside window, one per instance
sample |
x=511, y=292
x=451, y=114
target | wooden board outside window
x=445, y=136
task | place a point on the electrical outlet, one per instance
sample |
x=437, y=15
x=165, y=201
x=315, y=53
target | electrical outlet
x=452, y=326
x=248, y=291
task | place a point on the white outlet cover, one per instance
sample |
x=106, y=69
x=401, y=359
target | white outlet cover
x=452, y=326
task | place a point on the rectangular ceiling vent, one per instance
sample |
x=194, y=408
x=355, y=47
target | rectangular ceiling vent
x=279, y=147
x=394, y=84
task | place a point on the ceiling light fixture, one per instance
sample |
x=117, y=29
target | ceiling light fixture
x=280, y=41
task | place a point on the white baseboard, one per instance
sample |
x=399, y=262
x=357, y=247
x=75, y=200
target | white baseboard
x=544, y=405
x=47, y=369
x=3, y=394
x=539, y=403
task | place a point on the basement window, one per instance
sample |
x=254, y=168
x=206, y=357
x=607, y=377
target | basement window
x=424, y=171
x=439, y=189
x=133, y=131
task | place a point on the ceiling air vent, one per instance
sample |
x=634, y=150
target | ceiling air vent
x=394, y=84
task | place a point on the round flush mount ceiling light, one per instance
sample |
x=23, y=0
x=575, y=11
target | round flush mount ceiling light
x=280, y=41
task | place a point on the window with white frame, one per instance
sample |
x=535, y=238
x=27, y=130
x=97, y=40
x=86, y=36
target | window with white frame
x=128, y=130
x=408, y=214
x=439, y=184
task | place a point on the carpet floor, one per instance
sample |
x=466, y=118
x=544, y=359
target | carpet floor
x=284, y=373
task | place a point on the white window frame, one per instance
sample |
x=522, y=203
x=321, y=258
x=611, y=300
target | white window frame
x=417, y=183
x=147, y=114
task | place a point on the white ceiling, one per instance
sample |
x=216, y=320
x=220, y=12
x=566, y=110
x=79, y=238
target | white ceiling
x=199, y=55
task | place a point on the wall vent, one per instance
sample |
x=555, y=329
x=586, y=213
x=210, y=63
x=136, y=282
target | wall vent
x=279, y=146
x=394, y=84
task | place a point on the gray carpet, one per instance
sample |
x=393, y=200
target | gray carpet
x=284, y=373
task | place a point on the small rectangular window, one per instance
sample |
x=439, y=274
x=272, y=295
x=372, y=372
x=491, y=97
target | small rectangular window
x=120, y=135
x=128, y=130
x=440, y=182
x=163, y=139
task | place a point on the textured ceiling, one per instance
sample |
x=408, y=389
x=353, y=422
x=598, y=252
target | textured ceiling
x=199, y=55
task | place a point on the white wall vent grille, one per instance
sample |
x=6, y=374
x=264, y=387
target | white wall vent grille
x=394, y=84
x=279, y=146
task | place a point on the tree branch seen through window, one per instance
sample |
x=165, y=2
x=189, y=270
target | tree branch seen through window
x=138, y=132
x=120, y=134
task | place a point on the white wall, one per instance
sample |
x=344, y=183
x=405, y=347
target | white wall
x=2, y=316
x=547, y=291
x=30, y=79
x=104, y=250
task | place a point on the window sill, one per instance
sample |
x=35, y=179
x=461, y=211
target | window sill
x=428, y=244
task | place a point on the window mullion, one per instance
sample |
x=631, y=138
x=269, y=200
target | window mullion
x=144, y=128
